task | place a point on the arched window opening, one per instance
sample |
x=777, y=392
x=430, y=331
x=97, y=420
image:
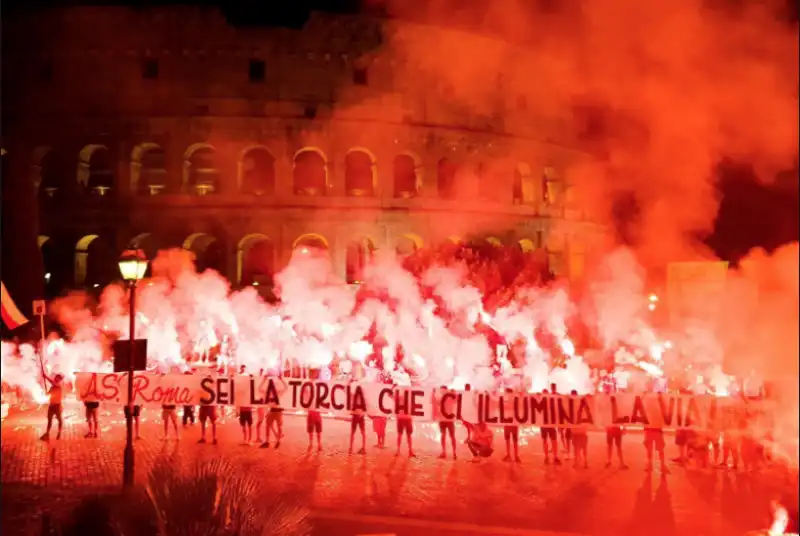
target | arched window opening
x=408, y=245
x=152, y=171
x=95, y=262
x=54, y=174
x=359, y=174
x=405, y=176
x=203, y=175
x=517, y=195
x=209, y=253
x=310, y=173
x=446, y=174
x=101, y=172
x=258, y=172
x=551, y=187
x=256, y=261
x=358, y=255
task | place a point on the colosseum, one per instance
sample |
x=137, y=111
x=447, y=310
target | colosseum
x=170, y=127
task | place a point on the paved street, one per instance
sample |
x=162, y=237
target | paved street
x=383, y=494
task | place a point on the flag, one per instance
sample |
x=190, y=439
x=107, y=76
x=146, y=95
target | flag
x=12, y=317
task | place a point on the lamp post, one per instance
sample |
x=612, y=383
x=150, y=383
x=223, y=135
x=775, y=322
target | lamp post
x=132, y=266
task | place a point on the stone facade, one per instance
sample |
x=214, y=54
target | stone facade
x=169, y=127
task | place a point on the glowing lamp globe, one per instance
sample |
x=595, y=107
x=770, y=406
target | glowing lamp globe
x=132, y=265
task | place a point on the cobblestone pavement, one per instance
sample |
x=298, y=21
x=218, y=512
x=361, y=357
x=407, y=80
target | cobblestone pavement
x=379, y=493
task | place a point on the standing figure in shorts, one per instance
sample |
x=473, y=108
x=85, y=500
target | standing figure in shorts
x=357, y=419
x=137, y=412
x=580, y=441
x=92, y=408
x=511, y=435
x=549, y=441
x=246, y=422
x=405, y=426
x=446, y=424
x=654, y=439
x=208, y=413
x=169, y=413
x=54, y=409
x=314, y=426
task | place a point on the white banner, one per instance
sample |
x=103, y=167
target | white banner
x=423, y=403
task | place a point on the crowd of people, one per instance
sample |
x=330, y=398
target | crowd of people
x=694, y=447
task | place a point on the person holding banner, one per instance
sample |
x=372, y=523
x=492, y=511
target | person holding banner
x=91, y=407
x=654, y=439
x=511, y=435
x=56, y=393
x=405, y=426
x=274, y=418
x=446, y=425
x=480, y=441
x=137, y=410
x=549, y=441
x=580, y=442
x=357, y=422
x=169, y=414
x=208, y=413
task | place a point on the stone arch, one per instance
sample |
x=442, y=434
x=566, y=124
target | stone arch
x=256, y=171
x=255, y=260
x=37, y=155
x=408, y=244
x=147, y=242
x=209, y=253
x=357, y=255
x=96, y=169
x=49, y=171
x=406, y=174
x=446, y=179
x=526, y=245
x=311, y=240
x=310, y=172
x=360, y=173
x=522, y=185
x=56, y=261
x=200, y=173
x=552, y=186
x=494, y=241
x=148, y=169
x=95, y=261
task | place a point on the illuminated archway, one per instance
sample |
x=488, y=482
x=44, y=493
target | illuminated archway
x=49, y=170
x=311, y=240
x=494, y=241
x=256, y=173
x=209, y=253
x=357, y=255
x=310, y=172
x=522, y=188
x=148, y=169
x=527, y=245
x=255, y=260
x=552, y=187
x=406, y=170
x=360, y=173
x=200, y=173
x=95, y=169
x=95, y=261
x=408, y=244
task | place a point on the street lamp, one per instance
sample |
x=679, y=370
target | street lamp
x=132, y=266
